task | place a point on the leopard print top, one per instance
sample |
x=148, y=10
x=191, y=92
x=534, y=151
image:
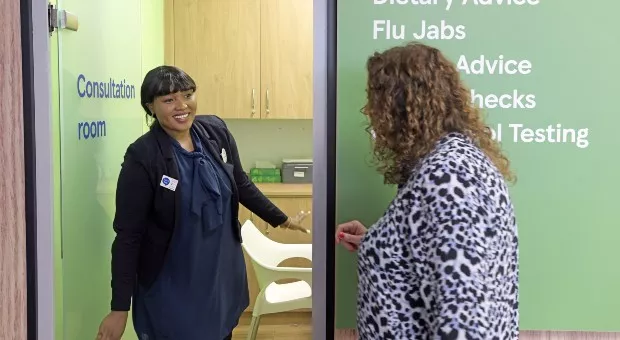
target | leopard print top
x=442, y=263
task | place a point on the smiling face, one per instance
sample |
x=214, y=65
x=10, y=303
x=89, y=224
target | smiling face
x=175, y=112
x=168, y=94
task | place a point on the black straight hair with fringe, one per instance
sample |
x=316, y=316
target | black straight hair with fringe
x=162, y=81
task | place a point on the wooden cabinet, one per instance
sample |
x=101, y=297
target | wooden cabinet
x=218, y=44
x=292, y=199
x=251, y=59
x=286, y=58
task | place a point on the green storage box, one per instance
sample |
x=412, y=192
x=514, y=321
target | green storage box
x=258, y=175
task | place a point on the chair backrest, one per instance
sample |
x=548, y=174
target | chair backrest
x=259, y=247
x=267, y=254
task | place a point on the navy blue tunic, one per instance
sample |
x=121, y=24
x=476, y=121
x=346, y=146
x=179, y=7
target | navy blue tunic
x=202, y=289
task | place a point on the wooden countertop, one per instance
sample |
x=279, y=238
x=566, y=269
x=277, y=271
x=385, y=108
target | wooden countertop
x=268, y=189
x=284, y=189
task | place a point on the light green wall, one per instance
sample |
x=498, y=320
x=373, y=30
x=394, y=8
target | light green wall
x=565, y=197
x=152, y=38
x=83, y=202
x=58, y=311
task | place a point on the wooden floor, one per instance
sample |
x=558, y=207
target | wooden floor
x=282, y=326
x=298, y=326
x=349, y=334
x=345, y=334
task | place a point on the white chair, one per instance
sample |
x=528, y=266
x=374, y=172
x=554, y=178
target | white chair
x=273, y=297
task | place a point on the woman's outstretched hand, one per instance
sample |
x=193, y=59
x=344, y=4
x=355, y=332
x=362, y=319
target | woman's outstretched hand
x=350, y=234
x=295, y=223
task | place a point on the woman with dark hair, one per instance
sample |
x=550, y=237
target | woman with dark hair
x=177, y=249
x=442, y=262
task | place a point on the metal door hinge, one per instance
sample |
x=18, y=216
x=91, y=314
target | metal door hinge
x=52, y=18
x=61, y=19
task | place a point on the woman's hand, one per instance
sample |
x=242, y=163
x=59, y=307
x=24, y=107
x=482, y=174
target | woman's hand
x=350, y=234
x=113, y=326
x=294, y=225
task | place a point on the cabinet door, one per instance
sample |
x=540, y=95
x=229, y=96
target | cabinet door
x=286, y=59
x=217, y=42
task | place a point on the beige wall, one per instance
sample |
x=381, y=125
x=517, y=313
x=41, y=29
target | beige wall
x=12, y=192
x=271, y=140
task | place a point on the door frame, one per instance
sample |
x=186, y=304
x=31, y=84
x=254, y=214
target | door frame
x=36, y=70
x=38, y=151
x=324, y=170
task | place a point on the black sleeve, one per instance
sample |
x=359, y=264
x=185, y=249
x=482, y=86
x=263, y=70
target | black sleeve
x=249, y=195
x=134, y=194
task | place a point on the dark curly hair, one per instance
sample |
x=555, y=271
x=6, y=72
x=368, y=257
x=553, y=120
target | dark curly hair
x=414, y=98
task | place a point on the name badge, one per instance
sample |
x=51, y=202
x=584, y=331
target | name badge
x=169, y=183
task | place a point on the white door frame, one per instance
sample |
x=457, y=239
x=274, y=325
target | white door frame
x=323, y=179
x=324, y=170
x=41, y=258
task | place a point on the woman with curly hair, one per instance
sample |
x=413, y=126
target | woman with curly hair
x=442, y=262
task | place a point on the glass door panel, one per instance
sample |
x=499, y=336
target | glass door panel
x=99, y=77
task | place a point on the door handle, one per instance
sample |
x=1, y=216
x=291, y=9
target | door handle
x=253, y=101
x=68, y=20
x=267, y=100
x=61, y=19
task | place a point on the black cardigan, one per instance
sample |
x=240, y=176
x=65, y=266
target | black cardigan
x=146, y=211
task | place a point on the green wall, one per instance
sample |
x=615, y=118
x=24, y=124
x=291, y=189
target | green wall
x=119, y=40
x=565, y=195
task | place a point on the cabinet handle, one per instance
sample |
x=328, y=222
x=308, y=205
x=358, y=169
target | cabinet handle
x=253, y=101
x=267, y=105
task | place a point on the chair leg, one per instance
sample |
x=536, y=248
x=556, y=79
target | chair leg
x=254, y=327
